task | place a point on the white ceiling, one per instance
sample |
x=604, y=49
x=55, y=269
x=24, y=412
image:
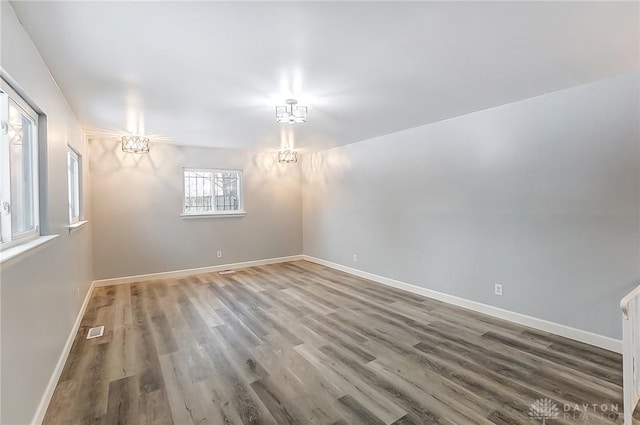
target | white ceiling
x=211, y=74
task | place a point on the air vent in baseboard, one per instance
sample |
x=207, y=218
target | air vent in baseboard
x=95, y=332
x=227, y=272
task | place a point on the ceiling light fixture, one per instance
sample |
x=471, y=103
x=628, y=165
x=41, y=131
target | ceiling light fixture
x=291, y=112
x=135, y=144
x=288, y=156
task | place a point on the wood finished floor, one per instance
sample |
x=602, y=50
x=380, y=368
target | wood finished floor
x=298, y=343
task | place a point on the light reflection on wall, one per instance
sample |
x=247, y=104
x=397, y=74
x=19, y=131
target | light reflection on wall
x=287, y=138
x=319, y=168
x=135, y=115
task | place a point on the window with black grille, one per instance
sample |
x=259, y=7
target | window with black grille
x=211, y=191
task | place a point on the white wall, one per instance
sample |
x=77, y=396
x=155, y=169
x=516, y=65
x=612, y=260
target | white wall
x=42, y=293
x=541, y=195
x=137, y=202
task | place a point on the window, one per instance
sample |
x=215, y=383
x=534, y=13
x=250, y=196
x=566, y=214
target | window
x=19, y=218
x=212, y=192
x=74, y=172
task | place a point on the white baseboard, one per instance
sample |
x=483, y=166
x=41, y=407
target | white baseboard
x=521, y=319
x=38, y=417
x=187, y=272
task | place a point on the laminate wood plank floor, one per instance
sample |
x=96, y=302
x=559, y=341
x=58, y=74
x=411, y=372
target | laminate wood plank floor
x=298, y=343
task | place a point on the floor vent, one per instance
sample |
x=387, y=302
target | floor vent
x=95, y=332
x=227, y=272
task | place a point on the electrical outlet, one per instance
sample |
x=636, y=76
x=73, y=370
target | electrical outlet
x=355, y=258
x=219, y=254
x=498, y=289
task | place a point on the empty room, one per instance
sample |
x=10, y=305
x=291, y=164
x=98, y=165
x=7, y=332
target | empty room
x=319, y=212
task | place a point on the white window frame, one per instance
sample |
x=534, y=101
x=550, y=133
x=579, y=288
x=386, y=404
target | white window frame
x=73, y=153
x=224, y=213
x=7, y=238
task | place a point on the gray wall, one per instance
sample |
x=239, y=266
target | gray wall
x=41, y=294
x=541, y=195
x=137, y=201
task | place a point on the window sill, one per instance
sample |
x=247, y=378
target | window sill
x=214, y=215
x=23, y=249
x=77, y=225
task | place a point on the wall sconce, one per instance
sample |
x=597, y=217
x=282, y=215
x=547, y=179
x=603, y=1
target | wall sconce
x=135, y=144
x=288, y=156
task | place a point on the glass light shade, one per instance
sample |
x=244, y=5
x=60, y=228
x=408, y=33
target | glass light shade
x=282, y=115
x=299, y=114
x=291, y=113
x=135, y=144
x=288, y=156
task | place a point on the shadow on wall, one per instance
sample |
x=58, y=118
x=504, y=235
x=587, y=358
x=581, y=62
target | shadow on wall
x=107, y=159
x=109, y=151
x=279, y=180
x=319, y=168
x=268, y=165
